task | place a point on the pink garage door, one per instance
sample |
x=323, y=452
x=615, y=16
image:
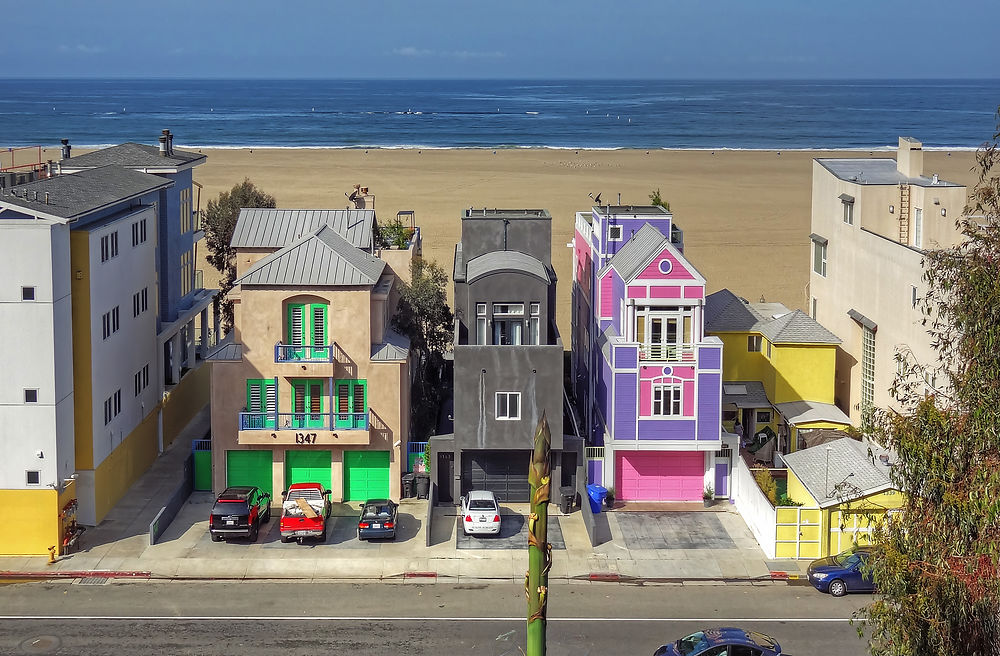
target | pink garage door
x=660, y=475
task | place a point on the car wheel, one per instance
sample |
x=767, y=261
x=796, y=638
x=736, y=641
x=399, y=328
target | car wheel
x=285, y=539
x=267, y=516
x=254, y=532
x=837, y=588
x=216, y=538
x=302, y=541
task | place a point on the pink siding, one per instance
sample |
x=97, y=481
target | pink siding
x=660, y=475
x=661, y=291
x=635, y=291
x=606, y=294
x=649, y=372
x=645, y=398
x=688, y=398
x=582, y=251
x=678, y=271
x=694, y=292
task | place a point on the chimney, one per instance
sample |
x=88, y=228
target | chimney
x=163, y=145
x=168, y=139
x=65, y=148
x=910, y=158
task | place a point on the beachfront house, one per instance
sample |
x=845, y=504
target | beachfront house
x=508, y=355
x=872, y=220
x=646, y=377
x=313, y=384
x=94, y=397
x=777, y=376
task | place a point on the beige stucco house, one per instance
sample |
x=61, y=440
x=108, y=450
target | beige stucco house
x=872, y=219
x=313, y=384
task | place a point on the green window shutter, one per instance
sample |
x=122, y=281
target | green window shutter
x=254, y=396
x=262, y=398
x=318, y=316
x=296, y=324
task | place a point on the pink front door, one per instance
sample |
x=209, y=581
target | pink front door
x=660, y=475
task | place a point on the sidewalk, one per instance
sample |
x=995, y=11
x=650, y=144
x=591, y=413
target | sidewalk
x=120, y=547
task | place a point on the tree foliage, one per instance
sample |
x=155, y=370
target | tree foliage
x=655, y=199
x=937, y=570
x=423, y=315
x=220, y=221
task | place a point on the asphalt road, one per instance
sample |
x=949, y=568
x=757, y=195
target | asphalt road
x=224, y=618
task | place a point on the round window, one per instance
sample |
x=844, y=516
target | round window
x=666, y=265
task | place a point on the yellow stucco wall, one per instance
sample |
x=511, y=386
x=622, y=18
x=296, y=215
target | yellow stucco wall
x=186, y=400
x=79, y=255
x=123, y=466
x=29, y=522
x=803, y=371
x=739, y=364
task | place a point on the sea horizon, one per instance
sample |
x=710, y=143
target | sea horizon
x=757, y=115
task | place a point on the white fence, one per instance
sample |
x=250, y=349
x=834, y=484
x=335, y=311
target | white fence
x=757, y=511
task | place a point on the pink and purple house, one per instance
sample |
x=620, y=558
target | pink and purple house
x=647, y=379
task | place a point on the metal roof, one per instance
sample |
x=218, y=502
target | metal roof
x=745, y=394
x=803, y=412
x=636, y=253
x=226, y=351
x=395, y=347
x=71, y=196
x=496, y=261
x=320, y=259
x=822, y=467
x=132, y=155
x=634, y=210
x=277, y=228
x=726, y=312
x=876, y=171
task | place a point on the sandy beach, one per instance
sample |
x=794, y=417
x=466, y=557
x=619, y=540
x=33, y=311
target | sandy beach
x=745, y=214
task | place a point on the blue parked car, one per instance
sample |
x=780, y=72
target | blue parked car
x=725, y=641
x=842, y=573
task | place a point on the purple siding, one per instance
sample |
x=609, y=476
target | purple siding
x=617, y=296
x=666, y=429
x=595, y=472
x=709, y=406
x=710, y=357
x=722, y=479
x=625, y=398
x=632, y=226
x=626, y=357
x=603, y=392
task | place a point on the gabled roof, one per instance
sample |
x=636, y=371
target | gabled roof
x=726, y=312
x=277, y=228
x=496, y=261
x=745, y=394
x=321, y=258
x=133, y=155
x=632, y=258
x=394, y=347
x=822, y=467
x=72, y=196
x=804, y=412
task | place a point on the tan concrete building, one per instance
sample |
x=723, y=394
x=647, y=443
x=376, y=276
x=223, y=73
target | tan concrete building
x=871, y=221
x=313, y=384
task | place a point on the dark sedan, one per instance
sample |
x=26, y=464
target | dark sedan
x=377, y=520
x=724, y=641
x=843, y=573
x=239, y=512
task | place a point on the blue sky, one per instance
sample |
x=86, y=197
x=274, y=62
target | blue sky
x=691, y=39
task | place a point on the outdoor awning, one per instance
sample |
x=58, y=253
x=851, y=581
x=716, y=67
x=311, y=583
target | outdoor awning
x=846, y=198
x=822, y=241
x=745, y=394
x=804, y=412
x=862, y=319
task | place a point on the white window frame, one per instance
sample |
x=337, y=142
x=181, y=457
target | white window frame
x=819, y=258
x=615, y=228
x=668, y=400
x=848, y=212
x=503, y=411
x=535, y=323
x=757, y=416
x=918, y=227
x=28, y=473
x=482, y=324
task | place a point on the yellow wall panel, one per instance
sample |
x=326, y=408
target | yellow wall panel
x=185, y=401
x=29, y=522
x=125, y=465
x=803, y=371
x=797, y=492
x=83, y=394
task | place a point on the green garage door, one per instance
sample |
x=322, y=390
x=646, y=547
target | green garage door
x=307, y=467
x=366, y=475
x=249, y=468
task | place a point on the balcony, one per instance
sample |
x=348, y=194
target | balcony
x=303, y=353
x=330, y=428
x=666, y=353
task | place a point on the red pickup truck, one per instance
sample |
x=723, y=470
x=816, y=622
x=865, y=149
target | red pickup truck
x=304, y=512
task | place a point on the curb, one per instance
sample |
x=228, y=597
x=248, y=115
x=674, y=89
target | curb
x=82, y=574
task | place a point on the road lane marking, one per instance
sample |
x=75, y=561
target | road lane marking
x=715, y=621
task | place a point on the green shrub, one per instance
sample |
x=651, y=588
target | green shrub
x=785, y=500
x=767, y=485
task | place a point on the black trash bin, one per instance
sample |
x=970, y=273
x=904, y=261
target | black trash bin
x=423, y=485
x=408, y=486
x=567, y=497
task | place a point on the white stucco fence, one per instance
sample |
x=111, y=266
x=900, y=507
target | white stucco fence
x=751, y=503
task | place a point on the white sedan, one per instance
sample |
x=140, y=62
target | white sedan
x=480, y=513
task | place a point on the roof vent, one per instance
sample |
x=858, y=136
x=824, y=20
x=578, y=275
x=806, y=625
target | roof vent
x=934, y=179
x=66, y=148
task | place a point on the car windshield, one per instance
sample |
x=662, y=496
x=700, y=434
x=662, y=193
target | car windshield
x=761, y=639
x=481, y=504
x=231, y=508
x=372, y=511
x=688, y=644
x=847, y=558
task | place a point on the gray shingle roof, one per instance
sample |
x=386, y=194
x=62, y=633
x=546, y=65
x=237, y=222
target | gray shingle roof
x=726, y=312
x=846, y=456
x=74, y=195
x=132, y=154
x=496, y=261
x=745, y=394
x=637, y=252
x=322, y=258
x=395, y=347
x=875, y=171
x=802, y=412
x=277, y=228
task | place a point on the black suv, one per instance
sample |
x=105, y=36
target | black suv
x=239, y=512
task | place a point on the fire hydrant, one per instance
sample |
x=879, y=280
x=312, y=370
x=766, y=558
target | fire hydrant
x=52, y=556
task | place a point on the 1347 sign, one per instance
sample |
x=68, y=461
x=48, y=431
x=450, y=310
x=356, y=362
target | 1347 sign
x=305, y=438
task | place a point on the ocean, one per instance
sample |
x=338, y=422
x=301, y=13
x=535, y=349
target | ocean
x=601, y=114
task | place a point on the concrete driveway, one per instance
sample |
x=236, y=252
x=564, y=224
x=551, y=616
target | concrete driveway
x=513, y=534
x=673, y=530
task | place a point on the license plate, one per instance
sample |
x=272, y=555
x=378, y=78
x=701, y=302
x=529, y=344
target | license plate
x=482, y=519
x=376, y=526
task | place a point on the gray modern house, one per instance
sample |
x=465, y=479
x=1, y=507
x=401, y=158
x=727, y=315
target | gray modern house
x=508, y=357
